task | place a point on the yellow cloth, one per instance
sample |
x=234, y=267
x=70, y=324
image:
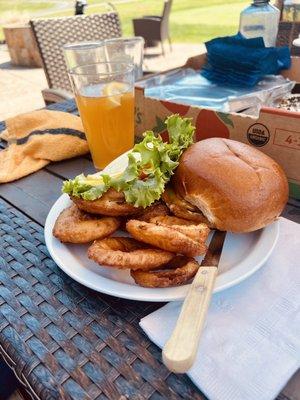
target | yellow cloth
x=37, y=138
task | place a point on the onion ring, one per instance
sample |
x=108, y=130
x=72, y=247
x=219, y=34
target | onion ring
x=165, y=237
x=112, y=203
x=76, y=226
x=124, y=252
x=198, y=232
x=155, y=210
x=177, y=272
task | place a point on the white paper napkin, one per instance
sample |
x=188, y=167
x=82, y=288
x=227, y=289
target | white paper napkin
x=250, y=346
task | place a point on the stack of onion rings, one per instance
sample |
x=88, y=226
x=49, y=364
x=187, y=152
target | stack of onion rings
x=158, y=255
x=178, y=271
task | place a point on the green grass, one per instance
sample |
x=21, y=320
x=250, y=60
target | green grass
x=20, y=6
x=191, y=21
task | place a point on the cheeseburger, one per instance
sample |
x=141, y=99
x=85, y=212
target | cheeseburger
x=227, y=184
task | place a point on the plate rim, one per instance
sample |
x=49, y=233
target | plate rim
x=269, y=236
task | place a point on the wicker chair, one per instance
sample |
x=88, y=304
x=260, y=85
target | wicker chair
x=154, y=28
x=52, y=33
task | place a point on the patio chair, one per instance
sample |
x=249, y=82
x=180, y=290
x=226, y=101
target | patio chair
x=52, y=33
x=287, y=31
x=154, y=28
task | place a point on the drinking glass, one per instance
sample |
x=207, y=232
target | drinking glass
x=105, y=99
x=124, y=50
x=84, y=53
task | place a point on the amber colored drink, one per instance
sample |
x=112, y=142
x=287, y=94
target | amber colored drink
x=107, y=113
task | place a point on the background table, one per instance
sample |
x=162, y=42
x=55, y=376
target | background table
x=62, y=340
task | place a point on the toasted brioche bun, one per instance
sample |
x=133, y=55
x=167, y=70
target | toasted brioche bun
x=237, y=187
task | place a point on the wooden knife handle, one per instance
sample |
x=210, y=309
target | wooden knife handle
x=180, y=350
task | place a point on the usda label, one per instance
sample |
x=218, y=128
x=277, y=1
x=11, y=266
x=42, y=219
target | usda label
x=258, y=135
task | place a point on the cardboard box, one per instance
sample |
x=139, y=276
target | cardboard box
x=276, y=132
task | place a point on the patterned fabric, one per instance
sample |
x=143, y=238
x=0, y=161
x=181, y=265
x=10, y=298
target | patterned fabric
x=52, y=33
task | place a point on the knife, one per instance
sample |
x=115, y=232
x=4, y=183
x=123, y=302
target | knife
x=180, y=350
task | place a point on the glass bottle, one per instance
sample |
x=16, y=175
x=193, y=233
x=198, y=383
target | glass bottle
x=260, y=19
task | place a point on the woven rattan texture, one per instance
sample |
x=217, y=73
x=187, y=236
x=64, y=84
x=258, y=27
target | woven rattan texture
x=65, y=341
x=52, y=33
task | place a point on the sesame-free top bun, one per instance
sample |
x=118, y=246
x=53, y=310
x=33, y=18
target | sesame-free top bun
x=237, y=187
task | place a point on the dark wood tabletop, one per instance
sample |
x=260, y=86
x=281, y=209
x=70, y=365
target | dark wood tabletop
x=65, y=341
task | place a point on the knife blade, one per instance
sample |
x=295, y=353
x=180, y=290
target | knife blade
x=180, y=350
x=214, y=251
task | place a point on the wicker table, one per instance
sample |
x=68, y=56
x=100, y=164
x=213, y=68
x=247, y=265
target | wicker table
x=62, y=340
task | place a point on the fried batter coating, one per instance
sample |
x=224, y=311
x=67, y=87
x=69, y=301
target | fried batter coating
x=165, y=237
x=182, y=208
x=112, y=203
x=76, y=226
x=177, y=272
x=155, y=210
x=198, y=232
x=124, y=252
x=187, y=214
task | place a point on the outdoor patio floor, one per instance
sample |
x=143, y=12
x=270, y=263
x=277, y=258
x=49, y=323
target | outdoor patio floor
x=20, y=87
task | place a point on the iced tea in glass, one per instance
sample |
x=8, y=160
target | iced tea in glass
x=105, y=99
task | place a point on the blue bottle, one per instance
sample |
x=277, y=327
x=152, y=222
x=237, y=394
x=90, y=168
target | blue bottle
x=260, y=19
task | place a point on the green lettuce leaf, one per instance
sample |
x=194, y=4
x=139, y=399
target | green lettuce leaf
x=80, y=187
x=151, y=163
x=130, y=174
x=142, y=193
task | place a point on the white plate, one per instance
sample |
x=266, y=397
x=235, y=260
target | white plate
x=242, y=255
